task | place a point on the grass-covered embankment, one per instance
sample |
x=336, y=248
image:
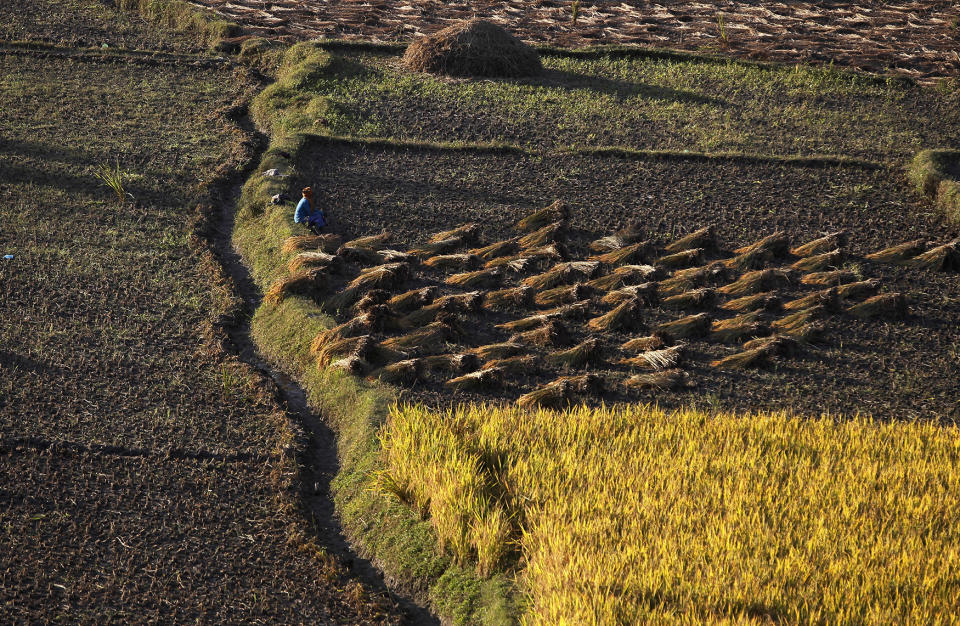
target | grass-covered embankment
x=637, y=515
x=401, y=544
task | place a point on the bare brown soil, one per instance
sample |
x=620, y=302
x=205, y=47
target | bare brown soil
x=94, y=538
x=892, y=369
x=915, y=38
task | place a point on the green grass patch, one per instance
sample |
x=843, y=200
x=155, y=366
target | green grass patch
x=662, y=102
x=936, y=174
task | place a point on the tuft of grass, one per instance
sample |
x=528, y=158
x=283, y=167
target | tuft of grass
x=114, y=178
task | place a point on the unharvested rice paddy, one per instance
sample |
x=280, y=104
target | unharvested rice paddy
x=638, y=515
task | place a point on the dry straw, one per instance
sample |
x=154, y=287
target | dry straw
x=469, y=302
x=790, y=324
x=556, y=212
x=551, y=333
x=479, y=279
x=427, y=314
x=400, y=373
x=624, y=275
x=780, y=345
x=764, y=301
x=757, y=357
x=412, y=299
x=555, y=395
x=828, y=298
x=372, y=298
x=520, y=365
x=626, y=316
x=468, y=233
x=543, y=236
x=945, y=258
x=431, y=338
x=510, y=298
x=646, y=293
x=563, y=273
x=315, y=260
x=899, y=254
x=341, y=347
x=623, y=237
x=477, y=381
x=374, y=242
x=886, y=305
x=453, y=261
x=684, y=258
x=776, y=243
x=497, y=249
x=634, y=253
x=574, y=311
x=691, y=326
x=473, y=48
x=703, y=238
x=758, y=281
x=738, y=328
x=350, y=328
x=371, y=278
x=524, y=323
x=444, y=246
x=324, y=243
x=655, y=341
x=587, y=351
x=499, y=350
x=664, y=380
x=455, y=363
x=692, y=277
x=661, y=359
x=828, y=279
x=360, y=255
x=823, y=244
x=819, y=262
x=562, y=295
x=703, y=297
x=852, y=291
x=353, y=365
x=591, y=384
x=310, y=283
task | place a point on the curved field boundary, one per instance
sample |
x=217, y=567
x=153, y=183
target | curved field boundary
x=934, y=174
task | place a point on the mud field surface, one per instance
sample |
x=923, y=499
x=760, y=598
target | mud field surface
x=890, y=368
x=95, y=539
x=144, y=471
x=917, y=39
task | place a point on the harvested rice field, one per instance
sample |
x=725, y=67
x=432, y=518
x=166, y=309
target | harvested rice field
x=890, y=365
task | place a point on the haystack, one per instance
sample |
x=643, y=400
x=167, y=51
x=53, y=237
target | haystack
x=473, y=48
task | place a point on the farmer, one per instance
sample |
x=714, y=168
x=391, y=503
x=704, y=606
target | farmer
x=314, y=220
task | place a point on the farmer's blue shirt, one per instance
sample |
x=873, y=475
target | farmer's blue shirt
x=303, y=211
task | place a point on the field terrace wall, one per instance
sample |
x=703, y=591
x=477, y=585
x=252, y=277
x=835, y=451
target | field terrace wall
x=936, y=174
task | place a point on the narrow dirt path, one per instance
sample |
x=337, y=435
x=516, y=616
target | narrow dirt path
x=317, y=461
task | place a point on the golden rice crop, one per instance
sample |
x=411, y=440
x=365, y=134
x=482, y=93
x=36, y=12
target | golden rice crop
x=634, y=514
